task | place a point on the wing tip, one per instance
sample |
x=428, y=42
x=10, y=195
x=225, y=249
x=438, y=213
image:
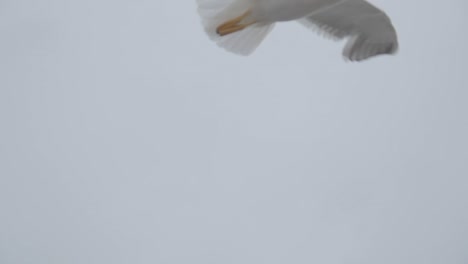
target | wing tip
x=359, y=48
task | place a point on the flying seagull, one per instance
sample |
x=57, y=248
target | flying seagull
x=239, y=26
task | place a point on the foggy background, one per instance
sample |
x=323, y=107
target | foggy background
x=126, y=136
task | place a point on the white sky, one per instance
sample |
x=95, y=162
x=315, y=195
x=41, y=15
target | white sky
x=126, y=136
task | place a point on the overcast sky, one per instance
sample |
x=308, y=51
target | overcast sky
x=127, y=136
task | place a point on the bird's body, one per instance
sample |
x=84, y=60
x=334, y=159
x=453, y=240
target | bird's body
x=280, y=10
x=239, y=26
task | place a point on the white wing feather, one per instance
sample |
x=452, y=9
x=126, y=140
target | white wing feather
x=370, y=30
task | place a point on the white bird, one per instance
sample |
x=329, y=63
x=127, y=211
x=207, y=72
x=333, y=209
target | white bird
x=239, y=26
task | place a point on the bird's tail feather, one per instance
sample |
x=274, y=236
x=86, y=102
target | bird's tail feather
x=214, y=13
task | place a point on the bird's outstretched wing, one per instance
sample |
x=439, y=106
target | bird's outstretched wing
x=370, y=30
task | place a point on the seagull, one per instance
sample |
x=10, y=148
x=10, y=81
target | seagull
x=239, y=26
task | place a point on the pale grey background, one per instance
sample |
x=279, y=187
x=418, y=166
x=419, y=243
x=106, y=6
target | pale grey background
x=128, y=137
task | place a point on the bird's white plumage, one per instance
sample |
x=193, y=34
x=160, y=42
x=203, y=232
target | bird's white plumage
x=369, y=30
x=215, y=12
